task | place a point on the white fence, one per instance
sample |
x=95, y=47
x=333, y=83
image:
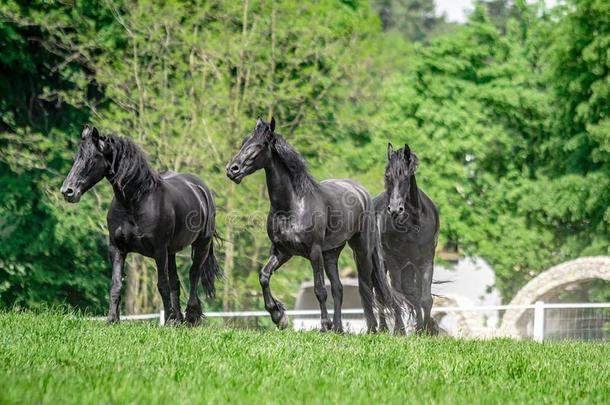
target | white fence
x=540, y=321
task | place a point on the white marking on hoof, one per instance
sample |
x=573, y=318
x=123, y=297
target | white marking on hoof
x=283, y=323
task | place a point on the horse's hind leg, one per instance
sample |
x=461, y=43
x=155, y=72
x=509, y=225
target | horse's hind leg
x=174, y=285
x=331, y=257
x=200, y=250
x=426, y=302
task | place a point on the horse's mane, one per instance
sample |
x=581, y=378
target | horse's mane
x=130, y=169
x=396, y=165
x=297, y=167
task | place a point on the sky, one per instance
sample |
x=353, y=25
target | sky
x=456, y=10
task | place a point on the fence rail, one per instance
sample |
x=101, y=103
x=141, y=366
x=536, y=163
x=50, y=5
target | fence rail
x=539, y=314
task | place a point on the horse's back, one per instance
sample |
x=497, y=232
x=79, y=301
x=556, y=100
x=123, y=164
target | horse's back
x=347, y=193
x=185, y=182
x=190, y=197
x=380, y=202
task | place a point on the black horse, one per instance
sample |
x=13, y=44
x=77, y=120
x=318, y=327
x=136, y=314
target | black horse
x=313, y=220
x=409, y=225
x=151, y=214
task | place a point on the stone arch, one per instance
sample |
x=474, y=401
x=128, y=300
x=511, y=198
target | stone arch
x=548, y=283
x=468, y=324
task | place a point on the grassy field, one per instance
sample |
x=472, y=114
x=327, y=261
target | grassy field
x=53, y=358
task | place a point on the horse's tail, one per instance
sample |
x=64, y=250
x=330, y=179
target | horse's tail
x=389, y=300
x=210, y=270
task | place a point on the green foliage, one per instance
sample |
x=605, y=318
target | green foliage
x=53, y=358
x=508, y=114
x=416, y=20
x=46, y=256
x=477, y=109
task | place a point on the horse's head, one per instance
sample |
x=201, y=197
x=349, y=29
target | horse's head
x=402, y=164
x=254, y=153
x=90, y=165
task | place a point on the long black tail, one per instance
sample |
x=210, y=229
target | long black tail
x=387, y=297
x=210, y=271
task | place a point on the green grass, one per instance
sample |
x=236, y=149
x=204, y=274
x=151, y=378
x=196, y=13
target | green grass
x=54, y=358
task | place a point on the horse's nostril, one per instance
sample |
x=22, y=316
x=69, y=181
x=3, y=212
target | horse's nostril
x=69, y=191
x=401, y=208
x=234, y=168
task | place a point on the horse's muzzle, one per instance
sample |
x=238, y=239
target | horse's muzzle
x=71, y=194
x=234, y=173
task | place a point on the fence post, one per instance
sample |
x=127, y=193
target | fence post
x=161, y=317
x=539, y=321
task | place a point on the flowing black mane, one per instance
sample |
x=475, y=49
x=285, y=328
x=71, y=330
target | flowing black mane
x=129, y=168
x=297, y=167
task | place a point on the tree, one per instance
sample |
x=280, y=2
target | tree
x=191, y=81
x=45, y=83
x=415, y=19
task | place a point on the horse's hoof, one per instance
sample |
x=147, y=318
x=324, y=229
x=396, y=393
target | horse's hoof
x=326, y=325
x=174, y=319
x=283, y=322
x=432, y=328
x=172, y=322
x=192, y=320
x=338, y=329
x=193, y=316
x=111, y=320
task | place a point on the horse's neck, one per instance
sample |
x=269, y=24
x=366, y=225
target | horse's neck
x=126, y=195
x=279, y=185
x=414, y=197
x=130, y=192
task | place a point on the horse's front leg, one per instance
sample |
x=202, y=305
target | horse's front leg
x=118, y=261
x=317, y=263
x=163, y=281
x=417, y=275
x=275, y=308
x=331, y=258
x=399, y=326
x=426, y=298
x=174, y=290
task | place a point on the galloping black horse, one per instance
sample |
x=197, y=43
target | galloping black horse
x=409, y=225
x=313, y=220
x=151, y=214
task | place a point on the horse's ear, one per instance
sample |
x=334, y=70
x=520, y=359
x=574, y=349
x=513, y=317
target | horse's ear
x=407, y=152
x=259, y=122
x=272, y=125
x=390, y=150
x=100, y=141
x=86, y=131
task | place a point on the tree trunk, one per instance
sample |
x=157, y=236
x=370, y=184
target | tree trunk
x=133, y=285
x=229, y=255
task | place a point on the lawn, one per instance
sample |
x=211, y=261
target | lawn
x=55, y=358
